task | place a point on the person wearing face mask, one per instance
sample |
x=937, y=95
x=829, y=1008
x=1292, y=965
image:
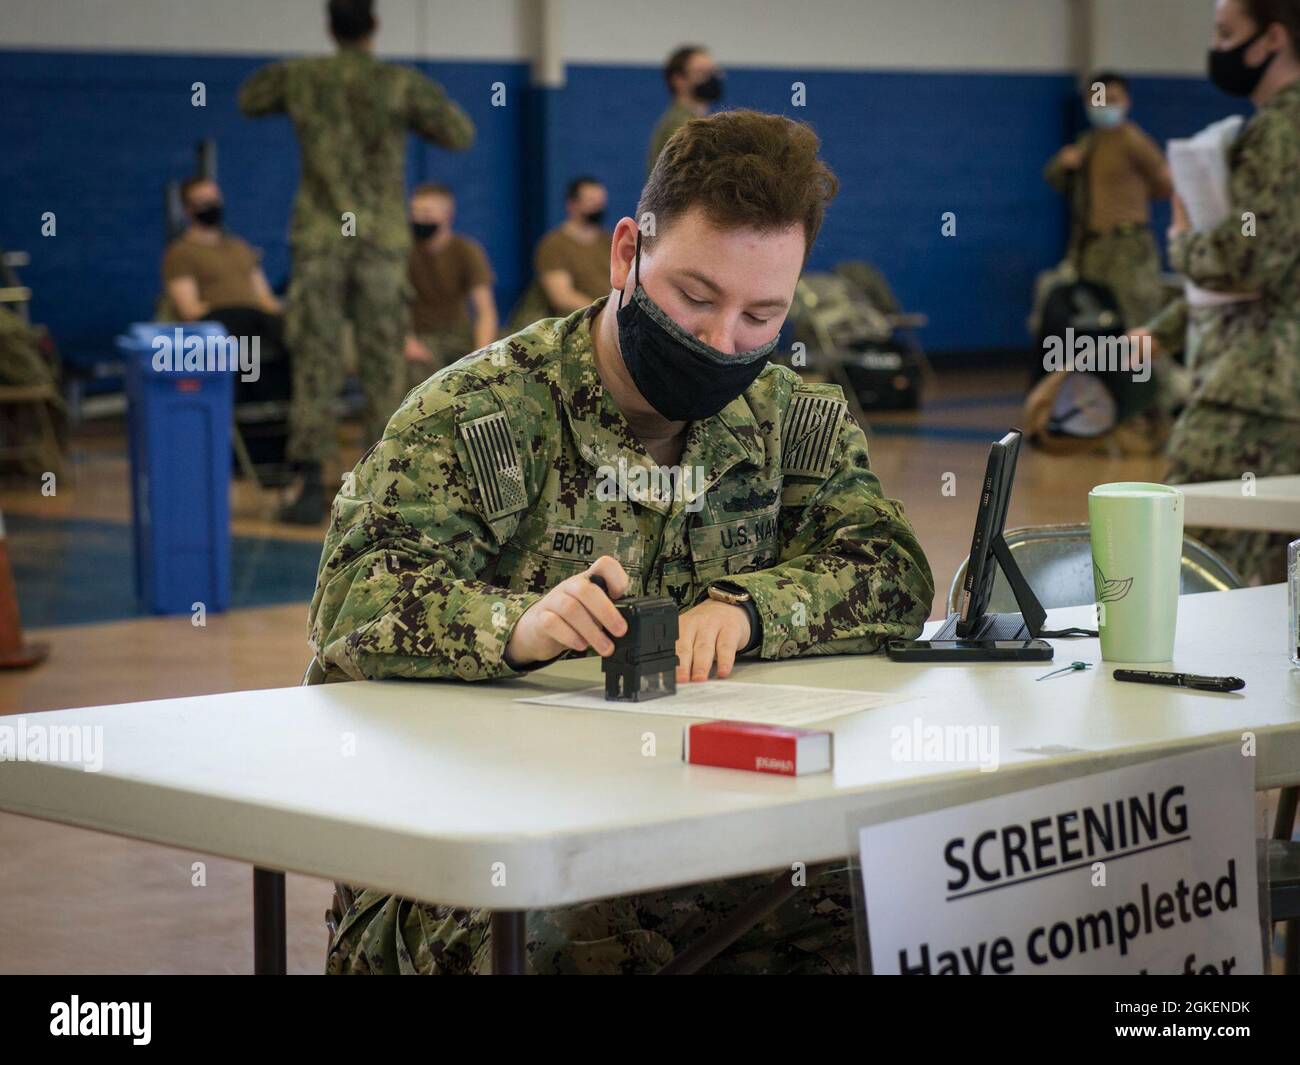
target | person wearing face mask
x=352, y=115
x=1243, y=415
x=1112, y=174
x=206, y=269
x=695, y=83
x=647, y=439
x=212, y=275
x=449, y=276
x=571, y=262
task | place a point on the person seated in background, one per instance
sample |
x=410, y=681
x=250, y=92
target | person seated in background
x=212, y=275
x=207, y=270
x=571, y=261
x=1112, y=174
x=447, y=272
x=695, y=83
x=462, y=544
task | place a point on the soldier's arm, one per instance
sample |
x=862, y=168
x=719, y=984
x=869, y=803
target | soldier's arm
x=1259, y=241
x=398, y=593
x=1169, y=328
x=431, y=114
x=264, y=93
x=850, y=573
x=1055, y=173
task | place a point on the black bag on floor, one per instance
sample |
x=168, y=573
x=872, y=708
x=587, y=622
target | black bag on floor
x=1089, y=403
x=884, y=375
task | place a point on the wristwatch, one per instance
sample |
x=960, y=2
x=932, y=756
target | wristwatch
x=734, y=595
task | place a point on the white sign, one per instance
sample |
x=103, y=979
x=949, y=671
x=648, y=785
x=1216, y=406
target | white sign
x=1149, y=869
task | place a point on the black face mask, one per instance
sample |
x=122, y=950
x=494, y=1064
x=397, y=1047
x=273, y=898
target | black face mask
x=1229, y=71
x=595, y=217
x=209, y=214
x=423, y=230
x=709, y=91
x=683, y=378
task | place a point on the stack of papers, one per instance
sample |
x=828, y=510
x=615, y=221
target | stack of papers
x=1199, y=166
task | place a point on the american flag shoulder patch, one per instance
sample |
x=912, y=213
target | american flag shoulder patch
x=495, y=465
x=808, y=434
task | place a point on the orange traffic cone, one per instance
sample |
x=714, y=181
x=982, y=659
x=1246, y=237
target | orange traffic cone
x=14, y=653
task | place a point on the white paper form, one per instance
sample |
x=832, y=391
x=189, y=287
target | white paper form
x=729, y=700
x=1199, y=167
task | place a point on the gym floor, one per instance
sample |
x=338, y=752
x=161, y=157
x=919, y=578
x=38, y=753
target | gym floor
x=83, y=902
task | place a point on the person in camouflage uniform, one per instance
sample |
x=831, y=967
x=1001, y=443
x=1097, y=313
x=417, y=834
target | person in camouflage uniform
x=349, y=234
x=1243, y=416
x=461, y=544
x=695, y=82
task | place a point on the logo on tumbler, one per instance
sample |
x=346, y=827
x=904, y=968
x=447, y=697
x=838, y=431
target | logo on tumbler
x=1108, y=591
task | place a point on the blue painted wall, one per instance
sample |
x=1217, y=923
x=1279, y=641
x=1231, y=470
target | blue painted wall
x=93, y=137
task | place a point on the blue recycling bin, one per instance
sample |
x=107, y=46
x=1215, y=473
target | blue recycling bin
x=180, y=406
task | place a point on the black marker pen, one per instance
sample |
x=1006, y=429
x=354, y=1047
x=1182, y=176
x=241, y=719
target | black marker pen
x=1181, y=680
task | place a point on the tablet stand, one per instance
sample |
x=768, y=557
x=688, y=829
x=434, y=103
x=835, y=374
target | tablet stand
x=1027, y=625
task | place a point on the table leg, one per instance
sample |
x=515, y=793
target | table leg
x=509, y=934
x=269, y=955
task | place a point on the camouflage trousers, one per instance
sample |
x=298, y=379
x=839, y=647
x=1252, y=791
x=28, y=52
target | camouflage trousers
x=23, y=365
x=366, y=286
x=811, y=933
x=1129, y=265
x=447, y=345
x=1215, y=443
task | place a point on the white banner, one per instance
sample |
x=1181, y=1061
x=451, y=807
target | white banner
x=1148, y=869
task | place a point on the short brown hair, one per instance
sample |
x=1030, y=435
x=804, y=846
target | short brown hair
x=742, y=168
x=1266, y=12
x=676, y=63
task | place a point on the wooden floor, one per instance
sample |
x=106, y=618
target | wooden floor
x=81, y=902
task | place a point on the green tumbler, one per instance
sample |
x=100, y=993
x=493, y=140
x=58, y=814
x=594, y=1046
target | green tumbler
x=1137, y=551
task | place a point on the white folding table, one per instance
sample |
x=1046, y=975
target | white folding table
x=422, y=788
x=1272, y=506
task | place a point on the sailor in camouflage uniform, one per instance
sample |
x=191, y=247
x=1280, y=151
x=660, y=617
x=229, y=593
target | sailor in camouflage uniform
x=350, y=241
x=505, y=479
x=693, y=79
x=1243, y=417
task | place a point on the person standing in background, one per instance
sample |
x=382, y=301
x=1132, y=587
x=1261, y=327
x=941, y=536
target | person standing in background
x=1112, y=174
x=695, y=82
x=1243, y=415
x=447, y=272
x=349, y=235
